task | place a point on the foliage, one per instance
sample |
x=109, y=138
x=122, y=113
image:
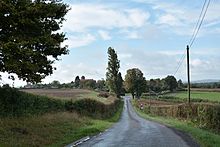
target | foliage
x=87, y=84
x=17, y=103
x=100, y=85
x=55, y=84
x=29, y=36
x=203, y=115
x=77, y=81
x=135, y=82
x=51, y=129
x=93, y=108
x=113, y=71
x=209, y=85
x=119, y=85
x=160, y=85
x=103, y=94
x=180, y=84
x=83, y=78
x=171, y=82
x=205, y=138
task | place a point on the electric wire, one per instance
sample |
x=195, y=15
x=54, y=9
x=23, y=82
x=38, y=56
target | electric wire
x=197, y=24
x=200, y=24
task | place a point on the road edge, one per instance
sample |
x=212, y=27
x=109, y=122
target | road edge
x=184, y=135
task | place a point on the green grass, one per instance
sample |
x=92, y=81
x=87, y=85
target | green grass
x=52, y=129
x=203, y=137
x=210, y=96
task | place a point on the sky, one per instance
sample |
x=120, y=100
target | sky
x=147, y=34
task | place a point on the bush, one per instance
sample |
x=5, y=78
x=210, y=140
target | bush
x=93, y=108
x=17, y=103
x=103, y=94
x=204, y=115
x=14, y=103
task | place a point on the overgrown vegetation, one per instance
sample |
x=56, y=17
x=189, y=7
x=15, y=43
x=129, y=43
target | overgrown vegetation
x=203, y=115
x=205, y=138
x=60, y=121
x=93, y=108
x=17, y=103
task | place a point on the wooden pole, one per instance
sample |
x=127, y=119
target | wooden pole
x=188, y=73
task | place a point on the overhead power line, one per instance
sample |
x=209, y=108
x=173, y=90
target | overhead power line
x=180, y=63
x=199, y=22
x=195, y=32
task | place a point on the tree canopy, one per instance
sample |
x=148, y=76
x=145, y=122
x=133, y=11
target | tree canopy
x=135, y=82
x=171, y=83
x=29, y=37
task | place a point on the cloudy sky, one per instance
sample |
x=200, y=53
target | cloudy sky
x=147, y=34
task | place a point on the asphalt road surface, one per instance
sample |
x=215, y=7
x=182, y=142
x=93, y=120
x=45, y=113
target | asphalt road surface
x=134, y=131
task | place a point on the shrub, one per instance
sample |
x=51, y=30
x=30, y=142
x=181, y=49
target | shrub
x=204, y=115
x=17, y=103
x=93, y=108
x=103, y=94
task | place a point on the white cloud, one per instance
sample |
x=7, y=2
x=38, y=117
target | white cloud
x=180, y=17
x=67, y=72
x=86, y=16
x=170, y=20
x=104, y=35
x=79, y=41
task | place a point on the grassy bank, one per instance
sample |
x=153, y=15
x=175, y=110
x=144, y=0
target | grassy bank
x=51, y=129
x=204, y=137
x=50, y=124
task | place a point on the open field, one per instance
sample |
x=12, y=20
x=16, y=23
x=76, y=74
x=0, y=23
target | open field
x=205, y=95
x=206, y=89
x=70, y=94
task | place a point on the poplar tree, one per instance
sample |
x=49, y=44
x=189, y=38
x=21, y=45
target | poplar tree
x=113, y=78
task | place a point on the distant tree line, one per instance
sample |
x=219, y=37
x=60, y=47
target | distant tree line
x=80, y=83
x=211, y=85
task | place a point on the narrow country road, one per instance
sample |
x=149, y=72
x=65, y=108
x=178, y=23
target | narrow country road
x=134, y=131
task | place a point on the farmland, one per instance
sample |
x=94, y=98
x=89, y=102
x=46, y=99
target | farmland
x=204, y=95
x=70, y=94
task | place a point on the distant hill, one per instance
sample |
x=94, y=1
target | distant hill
x=207, y=81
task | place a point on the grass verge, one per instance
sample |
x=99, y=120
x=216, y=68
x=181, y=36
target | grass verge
x=204, y=137
x=51, y=129
x=95, y=126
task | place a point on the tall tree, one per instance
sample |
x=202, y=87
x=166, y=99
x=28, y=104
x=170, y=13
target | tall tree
x=112, y=71
x=140, y=83
x=119, y=85
x=100, y=84
x=171, y=83
x=135, y=82
x=77, y=82
x=83, y=78
x=29, y=37
x=180, y=84
x=130, y=83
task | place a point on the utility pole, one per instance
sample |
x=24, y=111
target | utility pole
x=188, y=73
